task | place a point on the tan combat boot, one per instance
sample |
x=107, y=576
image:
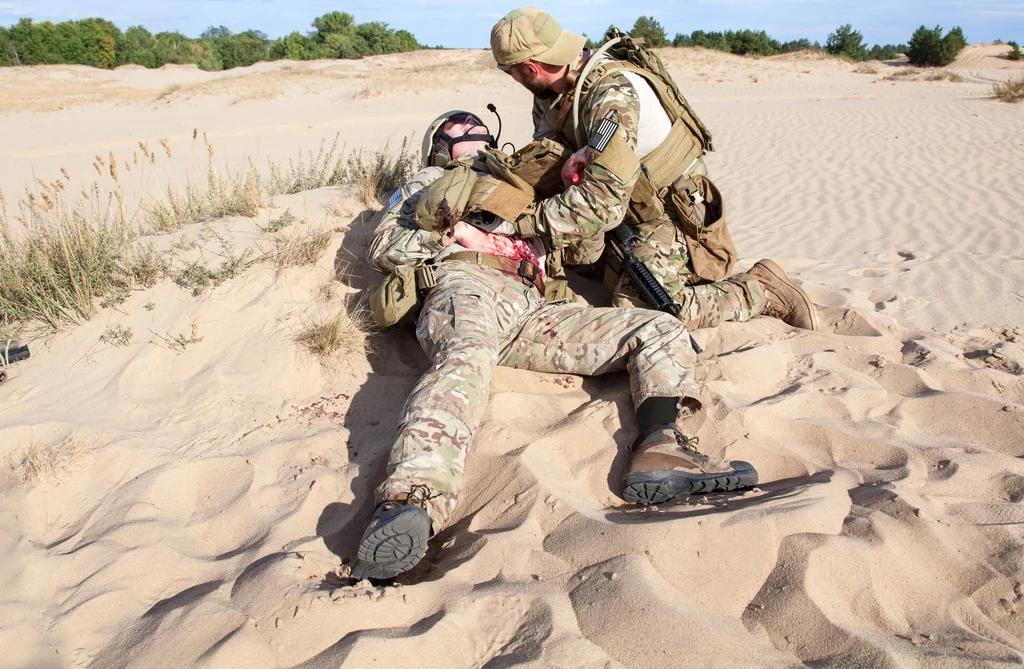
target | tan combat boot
x=664, y=464
x=786, y=300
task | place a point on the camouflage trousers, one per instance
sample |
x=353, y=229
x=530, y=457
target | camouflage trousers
x=476, y=318
x=705, y=304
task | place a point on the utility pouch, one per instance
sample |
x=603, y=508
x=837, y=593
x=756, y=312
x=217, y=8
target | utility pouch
x=558, y=290
x=395, y=297
x=539, y=164
x=644, y=203
x=700, y=212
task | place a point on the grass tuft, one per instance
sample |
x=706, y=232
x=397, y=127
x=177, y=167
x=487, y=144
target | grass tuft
x=339, y=335
x=301, y=248
x=117, y=335
x=44, y=462
x=377, y=174
x=944, y=75
x=1009, y=91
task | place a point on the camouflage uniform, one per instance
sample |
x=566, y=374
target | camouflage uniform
x=475, y=318
x=600, y=202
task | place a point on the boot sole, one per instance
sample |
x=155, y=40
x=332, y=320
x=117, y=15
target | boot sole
x=781, y=275
x=394, y=547
x=658, y=487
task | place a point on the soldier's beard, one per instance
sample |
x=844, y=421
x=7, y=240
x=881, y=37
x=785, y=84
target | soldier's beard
x=539, y=91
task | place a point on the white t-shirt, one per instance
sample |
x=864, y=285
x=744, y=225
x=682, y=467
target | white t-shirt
x=654, y=122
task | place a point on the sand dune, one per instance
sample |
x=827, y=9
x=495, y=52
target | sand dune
x=206, y=493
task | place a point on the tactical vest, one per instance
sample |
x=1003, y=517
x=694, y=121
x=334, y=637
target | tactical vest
x=679, y=154
x=673, y=173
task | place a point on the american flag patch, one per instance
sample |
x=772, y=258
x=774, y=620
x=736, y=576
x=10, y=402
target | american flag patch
x=606, y=129
x=395, y=198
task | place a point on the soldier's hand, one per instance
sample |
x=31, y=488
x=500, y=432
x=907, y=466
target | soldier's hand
x=572, y=170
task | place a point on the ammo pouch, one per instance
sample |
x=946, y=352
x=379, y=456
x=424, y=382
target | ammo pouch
x=539, y=164
x=397, y=295
x=712, y=252
x=463, y=190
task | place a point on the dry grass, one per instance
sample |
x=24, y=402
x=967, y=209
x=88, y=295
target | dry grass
x=45, y=462
x=944, y=75
x=377, y=174
x=196, y=276
x=43, y=88
x=67, y=253
x=326, y=291
x=221, y=194
x=324, y=168
x=61, y=253
x=340, y=335
x=866, y=69
x=178, y=343
x=902, y=73
x=146, y=266
x=117, y=335
x=1009, y=91
x=304, y=247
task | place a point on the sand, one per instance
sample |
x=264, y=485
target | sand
x=207, y=481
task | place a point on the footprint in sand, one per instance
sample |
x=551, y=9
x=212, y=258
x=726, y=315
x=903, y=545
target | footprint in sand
x=877, y=272
x=881, y=298
x=901, y=256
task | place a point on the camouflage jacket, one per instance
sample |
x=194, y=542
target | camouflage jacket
x=599, y=202
x=397, y=240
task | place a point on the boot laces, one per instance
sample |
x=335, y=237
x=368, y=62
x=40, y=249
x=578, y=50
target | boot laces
x=688, y=443
x=419, y=495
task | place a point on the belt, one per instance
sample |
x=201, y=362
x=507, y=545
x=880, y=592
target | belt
x=522, y=269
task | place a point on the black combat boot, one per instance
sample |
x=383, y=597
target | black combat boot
x=664, y=464
x=393, y=543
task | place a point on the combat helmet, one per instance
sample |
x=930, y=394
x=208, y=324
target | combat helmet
x=437, y=144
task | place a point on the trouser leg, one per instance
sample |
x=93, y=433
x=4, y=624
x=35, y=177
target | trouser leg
x=736, y=298
x=577, y=339
x=460, y=328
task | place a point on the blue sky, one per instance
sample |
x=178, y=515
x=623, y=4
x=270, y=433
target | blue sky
x=467, y=24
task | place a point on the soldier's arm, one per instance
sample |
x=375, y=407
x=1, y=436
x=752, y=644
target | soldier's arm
x=397, y=239
x=611, y=115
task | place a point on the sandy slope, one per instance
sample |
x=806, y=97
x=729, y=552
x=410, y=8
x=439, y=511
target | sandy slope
x=216, y=490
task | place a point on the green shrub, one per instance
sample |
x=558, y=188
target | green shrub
x=652, y=32
x=929, y=48
x=846, y=42
x=1014, y=51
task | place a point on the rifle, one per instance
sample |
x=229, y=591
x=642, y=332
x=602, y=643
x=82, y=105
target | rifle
x=9, y=354
x=620, y=243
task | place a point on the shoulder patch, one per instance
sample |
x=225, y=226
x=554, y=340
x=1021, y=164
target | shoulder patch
x=395, y=198
x=606, y=129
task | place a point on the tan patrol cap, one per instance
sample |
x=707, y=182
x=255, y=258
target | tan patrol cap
x=528, y=33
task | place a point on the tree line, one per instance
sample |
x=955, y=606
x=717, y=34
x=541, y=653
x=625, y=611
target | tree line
x=927, y=47
x=100, y=43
